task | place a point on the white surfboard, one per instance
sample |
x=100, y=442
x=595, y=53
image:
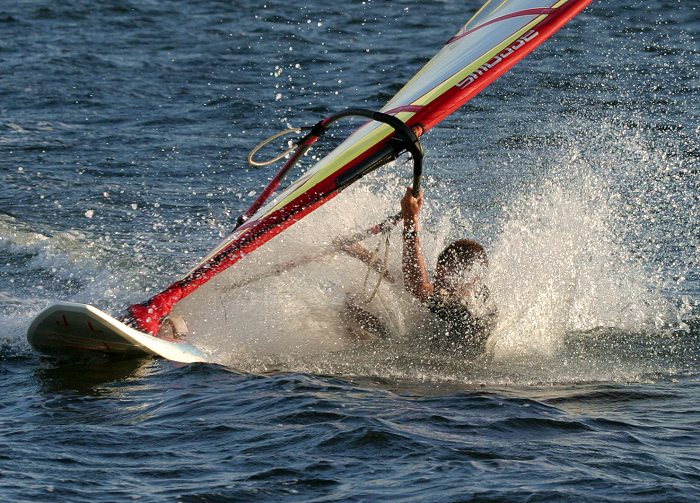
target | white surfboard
x=67, y=327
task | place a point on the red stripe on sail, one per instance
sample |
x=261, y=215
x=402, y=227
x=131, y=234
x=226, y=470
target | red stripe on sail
x=405, y=108
x=524, y=12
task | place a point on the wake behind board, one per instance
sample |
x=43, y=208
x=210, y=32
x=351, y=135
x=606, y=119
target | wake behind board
x=66, y=328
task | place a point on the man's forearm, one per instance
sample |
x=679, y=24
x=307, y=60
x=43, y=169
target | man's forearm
x=415, y=273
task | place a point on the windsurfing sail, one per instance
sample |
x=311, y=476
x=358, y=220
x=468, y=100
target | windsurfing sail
x=499, y=35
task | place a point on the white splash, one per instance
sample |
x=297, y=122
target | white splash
x=560, y=266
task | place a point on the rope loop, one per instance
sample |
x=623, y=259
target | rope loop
x=266, y=141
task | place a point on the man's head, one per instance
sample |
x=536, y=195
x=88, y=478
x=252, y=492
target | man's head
x=459, y=265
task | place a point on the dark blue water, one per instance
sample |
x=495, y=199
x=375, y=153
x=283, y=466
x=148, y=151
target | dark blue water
x=123, y=133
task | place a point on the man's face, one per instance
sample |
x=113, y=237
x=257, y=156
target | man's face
x=459, y=280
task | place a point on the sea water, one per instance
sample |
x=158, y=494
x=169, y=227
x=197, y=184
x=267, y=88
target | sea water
x=123, y=134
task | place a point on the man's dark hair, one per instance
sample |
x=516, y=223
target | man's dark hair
x=463, y=252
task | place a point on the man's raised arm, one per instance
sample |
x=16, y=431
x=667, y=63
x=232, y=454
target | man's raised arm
x=415, y=273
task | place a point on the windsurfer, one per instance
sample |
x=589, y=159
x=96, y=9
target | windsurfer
x=464, y=311
x=458, y=296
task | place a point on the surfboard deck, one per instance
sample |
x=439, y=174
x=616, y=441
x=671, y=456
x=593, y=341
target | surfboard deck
x=66, y=328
